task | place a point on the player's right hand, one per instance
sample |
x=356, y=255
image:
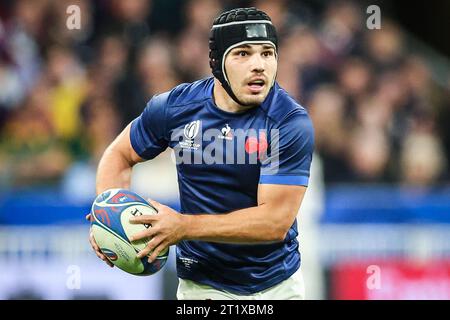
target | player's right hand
x=95, y=246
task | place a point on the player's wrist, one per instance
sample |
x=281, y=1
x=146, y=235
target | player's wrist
x=186, y=226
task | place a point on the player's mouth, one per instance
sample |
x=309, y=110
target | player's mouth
x=256, y=85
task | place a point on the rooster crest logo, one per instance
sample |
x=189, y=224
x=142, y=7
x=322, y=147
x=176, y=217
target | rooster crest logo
x=226, y=130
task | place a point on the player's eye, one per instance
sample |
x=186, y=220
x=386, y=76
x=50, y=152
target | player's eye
x=268, y=53
x=242, y=53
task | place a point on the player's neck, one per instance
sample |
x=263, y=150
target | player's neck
x=224, y=102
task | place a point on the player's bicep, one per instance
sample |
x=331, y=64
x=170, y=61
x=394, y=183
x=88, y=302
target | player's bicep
x=122, y=145
x=283, y=200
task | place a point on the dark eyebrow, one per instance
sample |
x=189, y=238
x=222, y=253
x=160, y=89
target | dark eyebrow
x=243, y=46
x=247, y=46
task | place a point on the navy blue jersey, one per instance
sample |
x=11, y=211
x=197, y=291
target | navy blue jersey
x=221, y=158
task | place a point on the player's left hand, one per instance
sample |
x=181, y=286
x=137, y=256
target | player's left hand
x=167, y=228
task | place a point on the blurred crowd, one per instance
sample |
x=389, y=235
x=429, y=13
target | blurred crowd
x=65, y=94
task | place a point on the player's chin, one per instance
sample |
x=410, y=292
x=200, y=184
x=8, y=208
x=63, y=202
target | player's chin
x=249, y=100
x=254, y=99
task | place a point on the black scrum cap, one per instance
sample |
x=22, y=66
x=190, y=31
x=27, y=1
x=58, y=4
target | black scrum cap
x=234, y=28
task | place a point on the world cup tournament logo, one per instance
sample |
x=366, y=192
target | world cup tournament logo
x=191, y=129
x=190, y=132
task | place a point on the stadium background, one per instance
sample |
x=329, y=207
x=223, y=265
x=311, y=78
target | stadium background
x=379, y=198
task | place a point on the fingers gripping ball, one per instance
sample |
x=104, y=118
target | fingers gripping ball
x=111, y=212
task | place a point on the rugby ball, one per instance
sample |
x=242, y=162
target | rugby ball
x=111, y=212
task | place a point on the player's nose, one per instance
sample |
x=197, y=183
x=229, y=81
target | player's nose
x=257, y=63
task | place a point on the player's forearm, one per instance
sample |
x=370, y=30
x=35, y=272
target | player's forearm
x=251, y=225
x=114, y=171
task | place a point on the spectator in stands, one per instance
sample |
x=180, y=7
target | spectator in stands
x=31, y=153
x=422, y=159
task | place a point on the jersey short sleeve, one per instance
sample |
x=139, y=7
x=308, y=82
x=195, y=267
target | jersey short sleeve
x=148, y=131
x=290, y=155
